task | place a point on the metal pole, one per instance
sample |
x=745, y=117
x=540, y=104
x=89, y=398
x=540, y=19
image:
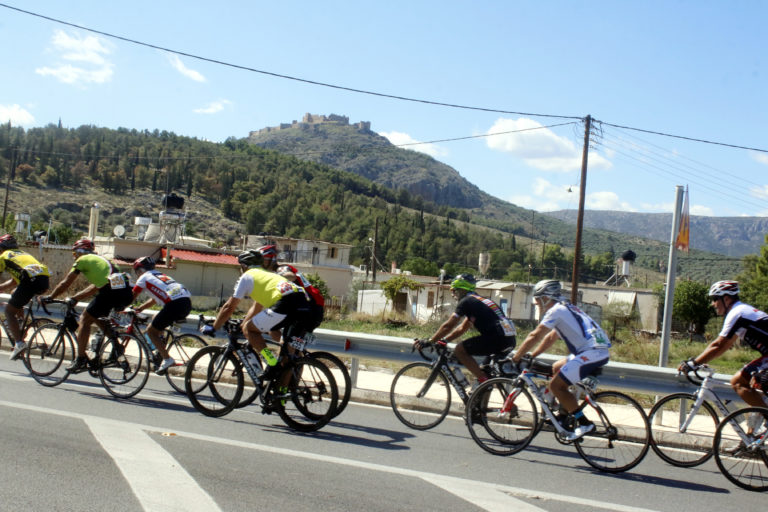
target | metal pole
x=669, y=294
x=580, y=218
x=8, y=184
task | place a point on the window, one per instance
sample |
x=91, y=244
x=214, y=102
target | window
x=332, y=252
x=430, y=299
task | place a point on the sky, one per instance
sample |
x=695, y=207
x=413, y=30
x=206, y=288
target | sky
x=521, y=75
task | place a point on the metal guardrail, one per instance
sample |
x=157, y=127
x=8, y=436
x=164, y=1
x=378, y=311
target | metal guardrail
x=629, y=377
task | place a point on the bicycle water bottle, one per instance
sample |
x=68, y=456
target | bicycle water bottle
x=96, y=341
x=460, y=378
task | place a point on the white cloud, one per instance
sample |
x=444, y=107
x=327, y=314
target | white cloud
x=704, y=211
x=606, y=200
x=213, y=107
x=399, y=139
x=184, y=70
x=89, y=55
x=546, y=196
x=539, y=147
x=759, y=192
x=761, y=158
x=16, y=115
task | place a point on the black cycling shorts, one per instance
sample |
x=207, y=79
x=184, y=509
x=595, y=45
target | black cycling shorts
x=297, y=310
x=175, y=310
x=28, y=288
x=108, y=299
x=487, y=345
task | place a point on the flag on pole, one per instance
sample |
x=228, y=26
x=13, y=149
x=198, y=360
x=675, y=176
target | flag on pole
x=684, y=231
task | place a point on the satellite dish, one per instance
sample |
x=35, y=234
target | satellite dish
x=119, y=231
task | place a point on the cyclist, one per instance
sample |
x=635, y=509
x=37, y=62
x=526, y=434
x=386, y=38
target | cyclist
x=111, y=286
x=587, y=343
x=269, y=257
x=278, y=304
x=315, y=296
x=174, y=299
x=29, y=277
x=497, y=332
x=744, y=322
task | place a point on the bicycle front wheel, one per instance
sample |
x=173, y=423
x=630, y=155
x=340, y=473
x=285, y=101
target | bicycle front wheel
x=213, y=381
x=181, y=349
x=621, y=436
x=340, y=375
x=739, y=448
x=50, y=349
x=502, y=416
x=420, y=396
x=310, y=400
x=123, y=365
x=673, y=441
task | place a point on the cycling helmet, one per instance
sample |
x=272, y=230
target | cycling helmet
x=8, y=242
x=250, y=258
x=287, y=269
x=83, y=245
x=464, y=282
x=548, y=288
x=721, y=288
x=145, y=262
x=268, y=251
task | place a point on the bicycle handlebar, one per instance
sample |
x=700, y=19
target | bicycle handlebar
x=694, y=375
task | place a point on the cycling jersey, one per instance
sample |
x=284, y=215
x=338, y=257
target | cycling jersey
x=160, y=287
x=18, y=264
x=263, y=287
x=100, y=272
x=577, y=329
x=748, y=323
x=485, y=315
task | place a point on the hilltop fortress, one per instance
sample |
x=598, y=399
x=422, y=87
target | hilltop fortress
x=310, y=121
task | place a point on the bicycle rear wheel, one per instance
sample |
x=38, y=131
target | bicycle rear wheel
x=501, y=416
x=123, y=365
x=420, y=396
x=682, y=449
x=213, y=381
x=743, y=460
x=621, y=436
x=181, y=349
x=310, y=400
x=340, y=375
x=50, y=350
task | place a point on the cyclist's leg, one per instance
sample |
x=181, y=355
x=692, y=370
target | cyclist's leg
x=26, y=289
x=574, y=369
x=740, y=382
x=475, y=346
x=172, y=311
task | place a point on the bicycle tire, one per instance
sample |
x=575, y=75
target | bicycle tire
x=34, y=324
x=340, y=375
x=50, y=349
x=123, y=365
x=498, y=432
x=746, y=468
x=311, y=398
x=420, y=412
x=682, y=449
x=181, y=349
x=620, y=444
x=213, y=382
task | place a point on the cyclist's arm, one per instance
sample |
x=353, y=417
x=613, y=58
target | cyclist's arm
x=533, y=337
x=64, y=284
x=7, y=285
x=548, y=341
x=144, y=305
x=463, y=327
x=225, y=312
x=446, y=328
x=90, y=290
x=715, y=349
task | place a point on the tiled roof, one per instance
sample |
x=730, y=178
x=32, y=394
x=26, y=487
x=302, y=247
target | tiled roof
x=202, y=257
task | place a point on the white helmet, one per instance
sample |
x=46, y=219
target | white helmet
x=722, y=288
x=548, y=288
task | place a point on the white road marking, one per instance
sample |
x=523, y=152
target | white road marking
x=491, y=493
x=485, y=497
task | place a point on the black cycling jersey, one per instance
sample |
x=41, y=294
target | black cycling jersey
x=485, y=315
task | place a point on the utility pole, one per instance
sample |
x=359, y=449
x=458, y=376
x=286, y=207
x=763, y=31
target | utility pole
x=373, y=249
x=580, y=218
x=11, y=167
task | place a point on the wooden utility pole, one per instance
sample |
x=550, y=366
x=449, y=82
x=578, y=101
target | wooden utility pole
x=580, y=218
x=373, y=249
x=11, y=167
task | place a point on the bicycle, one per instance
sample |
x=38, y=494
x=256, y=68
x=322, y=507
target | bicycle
x=121, y=360
x=300, y=389
x=740, y=448
x=683, y=425
x=420, y=394
x=503, y=419
x=28, y=321
x=181, y=347
x=335, y=364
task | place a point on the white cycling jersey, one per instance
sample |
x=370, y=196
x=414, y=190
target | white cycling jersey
x=160, y=287
x=577, y=329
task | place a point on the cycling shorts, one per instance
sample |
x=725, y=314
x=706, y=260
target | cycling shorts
x=28, y=288
x=752, y=367
x=175, y=310
x=291, y=309
x=488, y=345
x=579, y=366
x=108, y=299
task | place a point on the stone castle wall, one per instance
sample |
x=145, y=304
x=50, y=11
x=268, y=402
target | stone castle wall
x=310, y=120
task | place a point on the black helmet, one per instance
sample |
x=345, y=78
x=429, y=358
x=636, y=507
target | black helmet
x=250, y=258
x=145, y=262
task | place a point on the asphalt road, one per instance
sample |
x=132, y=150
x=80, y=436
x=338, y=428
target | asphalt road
x=74, y=447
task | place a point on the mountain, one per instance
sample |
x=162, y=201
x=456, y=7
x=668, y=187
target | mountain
x=731, y=236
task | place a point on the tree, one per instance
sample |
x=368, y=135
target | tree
x=691, y=306
x=393, y=286
x=753, y=282
x=421, y=267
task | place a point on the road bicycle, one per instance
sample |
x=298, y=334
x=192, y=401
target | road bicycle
x=121, y=360
x=301, y=390
x=181, y=347
x=740, y=448
x=420, y=394
x=503, y=418
x=683, y=425
x=335, y=364
x=28, y=321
